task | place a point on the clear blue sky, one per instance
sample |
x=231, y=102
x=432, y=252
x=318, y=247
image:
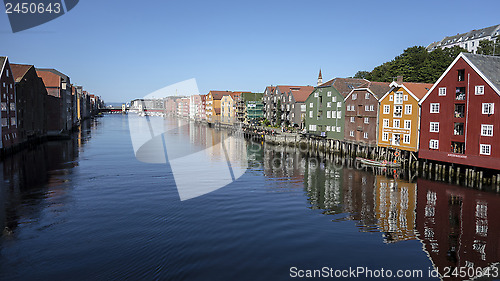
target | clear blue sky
x=124, y=49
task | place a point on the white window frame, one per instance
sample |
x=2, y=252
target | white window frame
x=354, y=96
x=310, y=114
x=316, y=94
x=365, y=135
x=353, y=119
x=329, y=93
x=407, y=124
x=311, y=105
x=434, y=127
x=485, y=149
x=339, y=104
x=433, y=144
x=367, y=96
x=334, y=114
x=405, y=97
x=334, y=99
x=329, y=104
x=442, y=91
x=396, y=123
x=385, y=136
x=367, y=120
x=488, y=108
x=434, y=107
x=387, y=109
x=486, y=130
x=398, y=98
x=390, y=98
x=367, y=108
x=479, y=90
x=372, y=108
x=338, y=129
x=351, y=133
x=385, y=123
x=328, y=114
x=339, y=114
x=408, y=109
x=406, y=138
x=395, y=111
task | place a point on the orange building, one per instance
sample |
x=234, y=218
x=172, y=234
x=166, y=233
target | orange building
x=213, y=105
x=399, y=115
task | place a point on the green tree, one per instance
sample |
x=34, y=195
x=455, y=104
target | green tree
x=487, y=47
x=363, y=74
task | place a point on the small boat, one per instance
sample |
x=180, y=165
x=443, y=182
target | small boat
x=378, y=163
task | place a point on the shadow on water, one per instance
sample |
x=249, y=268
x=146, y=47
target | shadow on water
x=30, y=177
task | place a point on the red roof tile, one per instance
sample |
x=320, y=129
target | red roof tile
x=49, y=79
x=19, y=70
x=418, y=89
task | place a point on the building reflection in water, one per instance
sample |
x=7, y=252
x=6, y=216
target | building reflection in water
x=457, y=225
x=454, y=223
x=37, y=175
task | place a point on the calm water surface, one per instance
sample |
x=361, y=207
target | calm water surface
x=86, y=209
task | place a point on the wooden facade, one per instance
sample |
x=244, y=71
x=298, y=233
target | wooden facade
x=8, y=106
x=399, y=115
x=459, y=123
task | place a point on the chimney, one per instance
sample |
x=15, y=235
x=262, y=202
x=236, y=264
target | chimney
x=399, y=80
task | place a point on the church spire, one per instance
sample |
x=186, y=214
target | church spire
x=320, y=78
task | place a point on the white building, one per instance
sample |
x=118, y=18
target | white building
x=469, y=40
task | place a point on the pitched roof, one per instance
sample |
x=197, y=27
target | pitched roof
x=379, y=89
x=49, y=79
x=488, y=65
x=345, y=85
x=2, y=63
x=418, y=89
x=217, y=95
x=319, y=76
x=19, y=70
x=54, y=71
x=302, y=93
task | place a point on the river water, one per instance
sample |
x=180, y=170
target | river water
x=87, y=209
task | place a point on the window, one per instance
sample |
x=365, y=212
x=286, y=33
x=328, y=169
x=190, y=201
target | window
x=354, y=96
x=433, y=144
x=398, y=111
x=329, y=94
x=365, y=135
x=339, y=104
x=486, y=130
x=442, y=91
x=367, y=108
x=12, y=106
x=4, y=122
x=367, y=120
x=385, y=136
x=3, y=106
x=405, y=97
x=407, y=124
x=334, y=114
x=312, y=128
x=329, y=104
x=328, y=114
x=408, y=108
x=434, y=107
x=459, y=110
x=396, y=123
x=371, y=108
x=488, y=108
x=385, y=123
x=458, y=129
x=479, y=90
x=367, y=96
x=460, y=93
x=398, y=98
x=7, y=72
x=434, y=127
x=311, y=105
x=387, y=109
x=316, y=94
x=338, y=129
x=461, y=75
x=334, y=99
x=13, y=121
x=352, y=120
x=339, y=114
x=310, y=114
x=406, y=138
x=351, y=133
x=390, y=98
x=327, y=128
x=485, y=149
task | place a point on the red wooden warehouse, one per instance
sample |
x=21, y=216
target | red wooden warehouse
x=458, y=120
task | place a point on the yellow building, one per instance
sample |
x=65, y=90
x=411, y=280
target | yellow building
x=399, y=115
x=228, y=107
x=396, y=203
x=213, y=105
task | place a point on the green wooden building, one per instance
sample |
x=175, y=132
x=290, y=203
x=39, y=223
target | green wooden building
x=325, y=112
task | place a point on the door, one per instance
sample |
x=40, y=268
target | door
x=396, y=138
